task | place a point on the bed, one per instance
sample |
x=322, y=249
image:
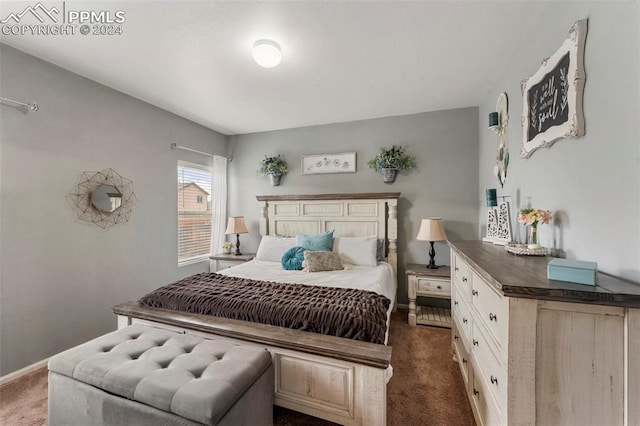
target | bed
x=337, y=379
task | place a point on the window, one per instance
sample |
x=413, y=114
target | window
x=194, y=214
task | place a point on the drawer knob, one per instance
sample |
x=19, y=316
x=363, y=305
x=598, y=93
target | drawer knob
x=493, y=317
x=455, y=302
x=455, y=337
x=474, y=292
x=475, y=391
x=494, y=380
x=475, y=342
x=464, y=320
x=464, y=279
x=464, y=360
x=439, y=287
x=457, y=269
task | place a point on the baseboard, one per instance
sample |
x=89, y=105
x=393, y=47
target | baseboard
x=23, y=371
x=403, y=306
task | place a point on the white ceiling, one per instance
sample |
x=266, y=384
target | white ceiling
x=343, y=60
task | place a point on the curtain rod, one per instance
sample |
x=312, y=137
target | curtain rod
x=21, y=106
x=184, y=148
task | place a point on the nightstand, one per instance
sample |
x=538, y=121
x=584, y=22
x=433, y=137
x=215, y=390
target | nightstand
x=221, y=261
x=436, y=283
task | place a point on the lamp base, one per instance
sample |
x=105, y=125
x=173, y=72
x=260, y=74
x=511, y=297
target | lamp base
x=432, y=255
x=237, y=253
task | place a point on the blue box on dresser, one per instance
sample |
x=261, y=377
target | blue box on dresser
x=573, y=271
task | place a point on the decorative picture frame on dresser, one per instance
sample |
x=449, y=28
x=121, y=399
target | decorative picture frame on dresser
x=553, y=95
x=499, y=225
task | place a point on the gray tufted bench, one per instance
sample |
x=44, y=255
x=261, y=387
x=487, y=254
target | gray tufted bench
x=141, y=375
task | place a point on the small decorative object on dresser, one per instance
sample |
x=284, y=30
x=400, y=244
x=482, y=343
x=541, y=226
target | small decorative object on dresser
x=236, y=226
x=220, y=261
x=391, y=160
x=432, y=230
x=426, y=282
x=532, y=217
x=492, y=215
x=275, y=167
x=572, y=271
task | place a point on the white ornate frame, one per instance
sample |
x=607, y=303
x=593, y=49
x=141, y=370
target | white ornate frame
x=574, y=126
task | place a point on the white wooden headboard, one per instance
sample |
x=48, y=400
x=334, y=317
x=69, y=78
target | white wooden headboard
x=349, y=215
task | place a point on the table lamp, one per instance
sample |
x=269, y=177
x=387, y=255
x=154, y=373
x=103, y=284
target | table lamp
x=432, y=230
x=236, y=225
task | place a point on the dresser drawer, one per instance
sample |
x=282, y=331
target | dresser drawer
x=433, y=287
x=492, y=309
x=489, y=365
x=461, y=355
x=462, y=316
x=460, y=274
x=488, y=414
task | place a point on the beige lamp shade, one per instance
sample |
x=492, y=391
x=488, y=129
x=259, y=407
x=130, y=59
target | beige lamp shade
x=236, y=225
x=432, y=230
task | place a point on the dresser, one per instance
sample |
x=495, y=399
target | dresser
x=539, y=352
x=426, y=282
x=218, y=262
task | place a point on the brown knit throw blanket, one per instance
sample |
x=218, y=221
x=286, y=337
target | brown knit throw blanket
x=343, y=312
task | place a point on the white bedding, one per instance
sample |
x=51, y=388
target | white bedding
x=380, y=279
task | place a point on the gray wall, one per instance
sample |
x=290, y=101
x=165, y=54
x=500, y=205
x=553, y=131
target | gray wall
x=59, y=277
x=591, y=184
x=444, y=183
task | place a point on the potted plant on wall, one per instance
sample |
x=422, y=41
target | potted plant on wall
x=391, y=160
x=275, y=167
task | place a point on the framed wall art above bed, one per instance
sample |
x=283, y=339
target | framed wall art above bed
x=329, y=163
x=553, y=95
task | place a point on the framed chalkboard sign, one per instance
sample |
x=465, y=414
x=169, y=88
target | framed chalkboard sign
x=553, y=95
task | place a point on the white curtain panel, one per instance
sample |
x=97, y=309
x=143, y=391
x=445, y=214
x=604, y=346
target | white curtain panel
x=218, y=203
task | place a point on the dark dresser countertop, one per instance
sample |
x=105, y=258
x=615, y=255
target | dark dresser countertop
x=526, y=277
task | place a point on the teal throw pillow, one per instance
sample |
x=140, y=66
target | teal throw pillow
x=316, y=242
x=292, y=259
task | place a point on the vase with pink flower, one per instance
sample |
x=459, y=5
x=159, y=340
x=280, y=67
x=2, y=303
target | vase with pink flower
x=533, y=217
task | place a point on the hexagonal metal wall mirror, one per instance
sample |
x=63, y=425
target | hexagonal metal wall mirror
x=102, y=198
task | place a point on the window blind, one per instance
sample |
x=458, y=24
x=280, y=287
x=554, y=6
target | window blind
x=194, y=212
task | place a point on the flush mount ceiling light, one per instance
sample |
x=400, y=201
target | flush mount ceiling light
x=267, y=53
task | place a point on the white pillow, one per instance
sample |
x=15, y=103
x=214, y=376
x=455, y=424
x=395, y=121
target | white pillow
x=272, y=248
x=357, y=250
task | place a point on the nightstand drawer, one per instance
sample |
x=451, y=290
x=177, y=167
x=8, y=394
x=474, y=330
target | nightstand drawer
x=225, y=264
x=433, y=287
x=222, y=261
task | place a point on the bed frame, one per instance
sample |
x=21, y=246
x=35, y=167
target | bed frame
x=337, y=379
